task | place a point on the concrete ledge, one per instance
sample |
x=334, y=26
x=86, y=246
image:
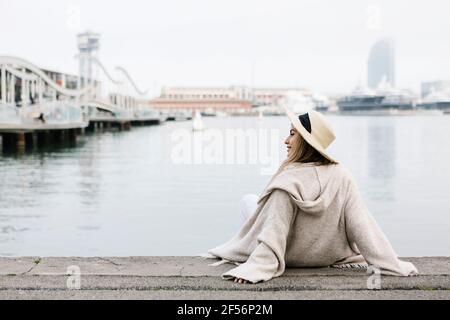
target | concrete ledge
x=192, y=278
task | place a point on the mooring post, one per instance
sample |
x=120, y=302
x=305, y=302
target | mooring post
x=41, y=138
x=47, y=137
x=90, y=127
x=80, y=131
x=20, y=140
x=61, y=135
x=34, y=139
x=29, y=140
x=54, y=136
x=6, y=141
x=73, y=134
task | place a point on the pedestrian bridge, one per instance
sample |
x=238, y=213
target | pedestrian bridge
x=32, y=98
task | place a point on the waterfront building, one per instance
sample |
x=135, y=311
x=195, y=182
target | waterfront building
x=222, y=99
x=226, y=99
x=277, y=96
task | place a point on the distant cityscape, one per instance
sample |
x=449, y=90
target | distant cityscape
x=379, y=95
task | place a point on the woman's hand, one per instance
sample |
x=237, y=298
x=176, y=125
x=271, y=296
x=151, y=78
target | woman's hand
x=239, y=280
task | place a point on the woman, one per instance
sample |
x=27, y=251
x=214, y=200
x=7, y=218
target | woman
x=310, y=215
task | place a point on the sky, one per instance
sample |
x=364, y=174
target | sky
x=316, y=44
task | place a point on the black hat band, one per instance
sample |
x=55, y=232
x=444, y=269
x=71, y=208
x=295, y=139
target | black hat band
x=306, y=122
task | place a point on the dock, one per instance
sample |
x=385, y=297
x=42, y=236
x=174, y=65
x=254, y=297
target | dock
x=191, y=278
x=40, y=106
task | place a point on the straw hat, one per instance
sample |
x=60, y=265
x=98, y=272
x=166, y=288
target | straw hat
x=315, y=129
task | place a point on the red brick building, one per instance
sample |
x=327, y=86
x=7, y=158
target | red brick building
x=227, y=99
x=232, y=99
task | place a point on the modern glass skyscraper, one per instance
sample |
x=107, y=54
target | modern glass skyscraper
x=381, y=64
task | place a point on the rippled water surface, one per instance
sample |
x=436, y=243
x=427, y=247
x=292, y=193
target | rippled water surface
x=120, y=193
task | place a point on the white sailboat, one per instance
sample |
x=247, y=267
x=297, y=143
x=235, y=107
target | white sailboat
x=197, y=123
x=260, y=115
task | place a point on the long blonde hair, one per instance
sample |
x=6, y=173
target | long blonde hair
x=303, y=152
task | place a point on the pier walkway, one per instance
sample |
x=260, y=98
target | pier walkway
x=192, y=278
x=35, y=103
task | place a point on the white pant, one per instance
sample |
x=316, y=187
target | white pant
x=247, y=206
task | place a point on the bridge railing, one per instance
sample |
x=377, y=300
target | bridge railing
x=29, y=94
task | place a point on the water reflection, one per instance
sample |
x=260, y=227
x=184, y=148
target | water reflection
x=118, y=193
x=90, y=176
x=381, y=160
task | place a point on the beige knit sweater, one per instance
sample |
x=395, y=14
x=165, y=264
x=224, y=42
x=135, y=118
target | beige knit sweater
x=309, y=215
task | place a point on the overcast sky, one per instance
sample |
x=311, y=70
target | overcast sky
x=317, y=44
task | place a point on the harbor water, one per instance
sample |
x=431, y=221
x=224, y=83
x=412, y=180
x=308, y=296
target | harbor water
x=120, y=193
